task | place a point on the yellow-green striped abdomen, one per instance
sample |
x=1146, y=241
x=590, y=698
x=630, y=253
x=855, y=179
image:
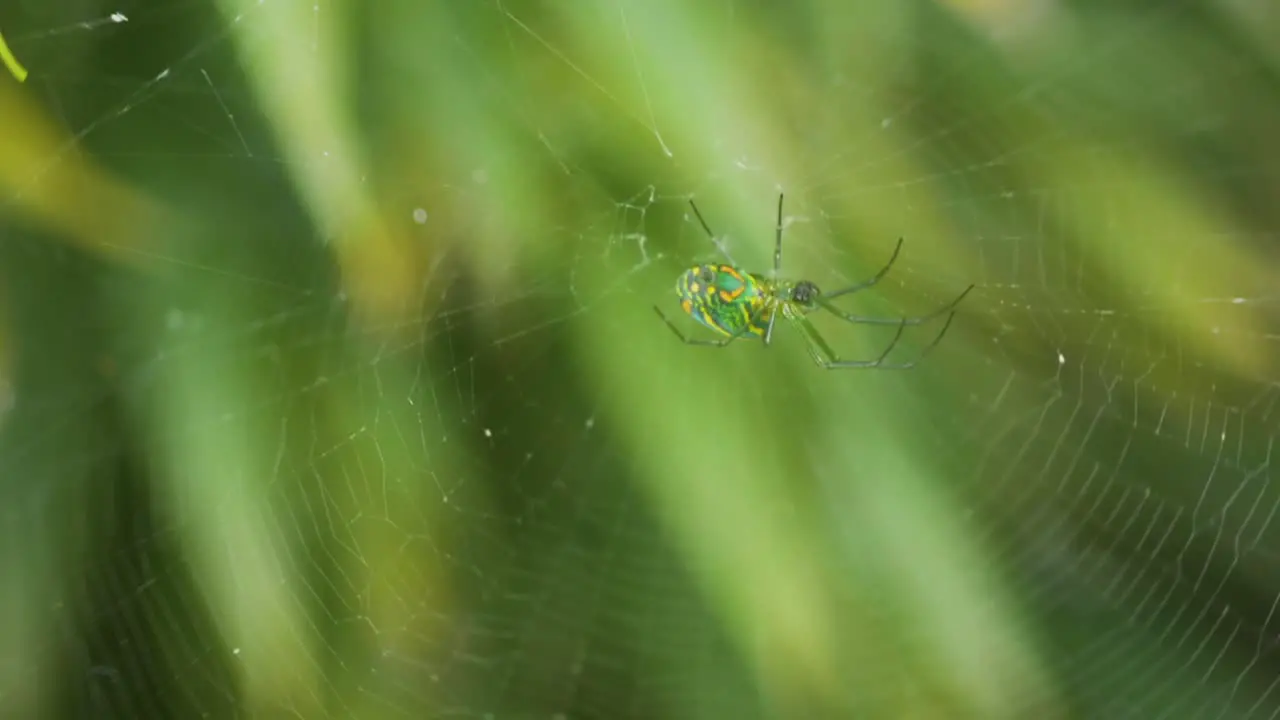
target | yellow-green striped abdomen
x=725, y=299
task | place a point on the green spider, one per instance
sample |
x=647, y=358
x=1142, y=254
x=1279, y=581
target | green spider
x=734, y=303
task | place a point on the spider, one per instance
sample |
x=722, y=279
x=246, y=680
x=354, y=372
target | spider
x=735, y=303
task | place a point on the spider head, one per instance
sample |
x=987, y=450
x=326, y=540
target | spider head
x=805, y=293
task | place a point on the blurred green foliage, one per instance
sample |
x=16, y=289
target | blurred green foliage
x=337, y=391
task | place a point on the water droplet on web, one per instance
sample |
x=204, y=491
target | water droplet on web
x=118, y=17
x=419, y=216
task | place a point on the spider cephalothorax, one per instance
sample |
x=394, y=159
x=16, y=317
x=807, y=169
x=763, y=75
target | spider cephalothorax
x=805, y=293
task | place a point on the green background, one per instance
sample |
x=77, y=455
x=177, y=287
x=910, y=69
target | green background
x=330, y=384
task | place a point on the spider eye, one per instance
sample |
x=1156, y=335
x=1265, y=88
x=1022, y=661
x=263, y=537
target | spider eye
x=706, y=276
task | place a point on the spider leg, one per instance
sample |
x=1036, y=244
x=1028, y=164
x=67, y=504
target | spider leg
x=872, y=281
x=824, y=302
x=777, y=245
x=879, y=362
x=768, y=331
x=707, y=228
x=702, y=222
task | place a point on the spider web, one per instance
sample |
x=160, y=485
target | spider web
x=456, y=524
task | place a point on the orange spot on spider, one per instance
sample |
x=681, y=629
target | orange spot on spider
x=687, y=306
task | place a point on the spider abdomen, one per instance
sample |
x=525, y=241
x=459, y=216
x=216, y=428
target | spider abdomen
x=726, y=299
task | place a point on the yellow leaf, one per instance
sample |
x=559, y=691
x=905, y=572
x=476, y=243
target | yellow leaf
x=11, y=62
